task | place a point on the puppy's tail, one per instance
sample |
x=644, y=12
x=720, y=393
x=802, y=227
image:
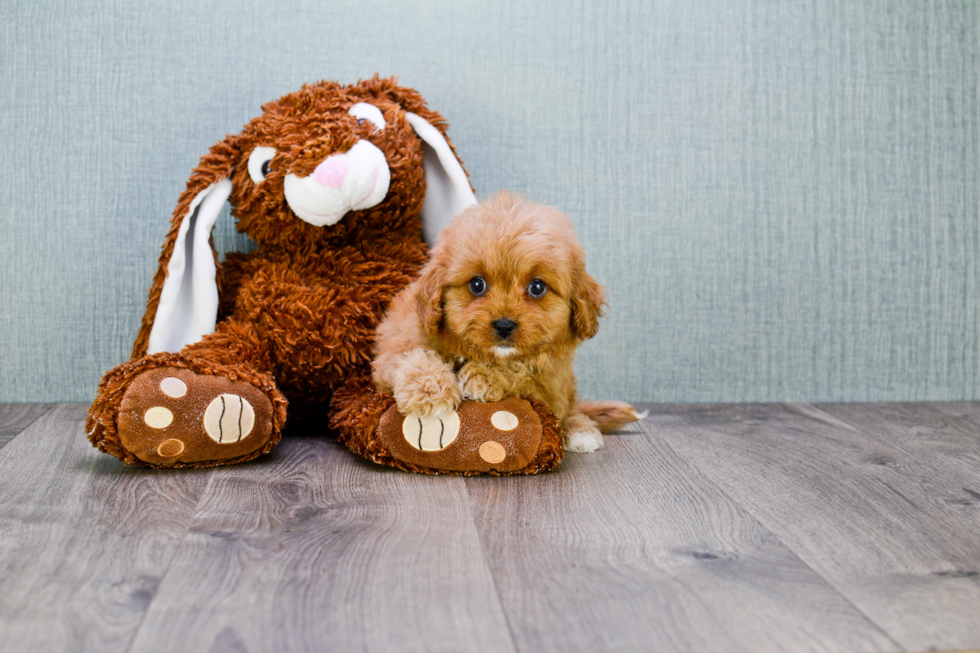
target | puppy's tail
x=610, y=416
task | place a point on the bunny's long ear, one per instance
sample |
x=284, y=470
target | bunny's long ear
x=188, y=307
x=448, y=190
x=183, y=303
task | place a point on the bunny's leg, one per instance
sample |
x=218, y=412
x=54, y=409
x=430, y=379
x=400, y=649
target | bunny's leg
x=213, y=403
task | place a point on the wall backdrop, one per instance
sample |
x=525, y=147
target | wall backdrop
x=781, y=197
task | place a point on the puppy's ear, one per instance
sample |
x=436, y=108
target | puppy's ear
x=588, y=298
x=428, y=294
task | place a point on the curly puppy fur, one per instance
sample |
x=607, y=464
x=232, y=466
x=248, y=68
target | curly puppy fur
x=297, y=315
x=438, y=343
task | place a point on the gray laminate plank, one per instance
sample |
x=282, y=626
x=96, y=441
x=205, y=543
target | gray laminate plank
x=966, y=414
x=965, y=417
x=632, y=549
x=14, y=418
x=879, y=533
x=84, y=540
x=938, y=433
x=316, y=549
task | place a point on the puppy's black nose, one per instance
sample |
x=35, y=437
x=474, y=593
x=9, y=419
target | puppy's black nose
x=504, y=327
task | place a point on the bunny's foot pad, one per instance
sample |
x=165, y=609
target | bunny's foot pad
x=174, y=417
x=503, y=438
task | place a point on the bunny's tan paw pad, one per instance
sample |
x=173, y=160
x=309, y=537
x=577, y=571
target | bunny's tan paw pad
x=172, y=417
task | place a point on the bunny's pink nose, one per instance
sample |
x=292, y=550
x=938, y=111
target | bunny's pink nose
x=332, y=171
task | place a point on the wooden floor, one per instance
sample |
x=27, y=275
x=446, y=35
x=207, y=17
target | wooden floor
x=704, y=528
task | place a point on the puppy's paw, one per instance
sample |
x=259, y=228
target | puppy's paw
x=425, y=385
x=583, y=440
x=477, y=383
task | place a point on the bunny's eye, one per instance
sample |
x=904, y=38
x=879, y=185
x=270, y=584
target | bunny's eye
x=364, y=111
x=258, y=163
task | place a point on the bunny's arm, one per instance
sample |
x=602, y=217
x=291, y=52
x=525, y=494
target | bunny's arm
x=230, y=274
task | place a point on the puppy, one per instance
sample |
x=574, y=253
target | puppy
x=498, y=310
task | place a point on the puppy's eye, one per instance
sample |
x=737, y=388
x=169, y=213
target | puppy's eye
x=537, y=289
x=478, y=286
x=259, y=163
x=364, y=111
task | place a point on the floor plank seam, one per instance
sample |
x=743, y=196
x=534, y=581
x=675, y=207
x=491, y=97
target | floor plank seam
x=5, y=440
x=899, y=648
x=493, y=576
x=843, y=420
x=177, y=550
x=884, y=443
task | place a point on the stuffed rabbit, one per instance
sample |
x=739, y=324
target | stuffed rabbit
x=334, y=184
x=337, y=186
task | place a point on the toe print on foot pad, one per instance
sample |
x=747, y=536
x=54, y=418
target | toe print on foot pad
x=229, y=418
x=171, y=415
x=431, y=433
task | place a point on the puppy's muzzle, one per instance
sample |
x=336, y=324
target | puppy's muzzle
x=504, y=327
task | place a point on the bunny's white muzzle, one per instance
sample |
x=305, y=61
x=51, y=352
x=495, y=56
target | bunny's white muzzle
x=355, y=180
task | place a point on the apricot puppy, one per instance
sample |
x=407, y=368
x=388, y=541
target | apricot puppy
x=498, y=310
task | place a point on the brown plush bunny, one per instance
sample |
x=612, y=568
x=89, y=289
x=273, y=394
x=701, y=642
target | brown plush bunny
x=335, y=184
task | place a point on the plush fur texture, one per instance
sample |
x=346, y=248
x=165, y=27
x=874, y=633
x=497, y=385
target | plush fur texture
x=439, y=343
x=296, y=316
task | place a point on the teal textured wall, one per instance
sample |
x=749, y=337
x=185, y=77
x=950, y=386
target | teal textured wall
x=782, y=197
